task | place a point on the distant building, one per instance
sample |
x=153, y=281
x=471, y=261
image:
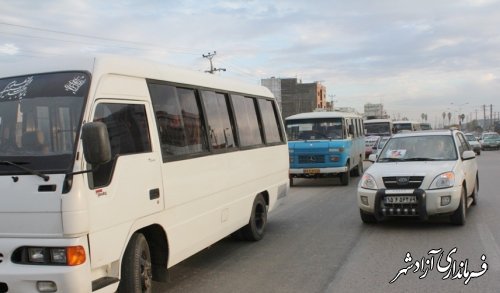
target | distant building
x=375, y=111
x=346, y=109
x=295, y=97
x=274, y=85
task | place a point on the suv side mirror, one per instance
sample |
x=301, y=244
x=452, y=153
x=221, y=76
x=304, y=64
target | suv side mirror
x=96, y=145
x=467, y=155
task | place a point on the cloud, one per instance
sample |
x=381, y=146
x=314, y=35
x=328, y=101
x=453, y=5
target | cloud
x=394, y=51
x=9, y=49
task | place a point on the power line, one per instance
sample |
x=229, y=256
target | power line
x=71, y=34
x=141, y=44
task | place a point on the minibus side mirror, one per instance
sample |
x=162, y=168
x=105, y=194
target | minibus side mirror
x=96, y=145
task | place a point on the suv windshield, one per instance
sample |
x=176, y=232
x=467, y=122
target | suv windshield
x=39, y=120
x=419, y=148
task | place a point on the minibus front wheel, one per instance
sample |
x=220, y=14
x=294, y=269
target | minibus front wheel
x=137, y=271
x=345, y=176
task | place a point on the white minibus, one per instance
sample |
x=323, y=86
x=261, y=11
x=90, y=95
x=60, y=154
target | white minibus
x=112, y=170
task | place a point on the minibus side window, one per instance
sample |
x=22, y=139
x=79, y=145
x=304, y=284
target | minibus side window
x=246, y=119
x=220, y=129
x=269, y=119
x=179, y=121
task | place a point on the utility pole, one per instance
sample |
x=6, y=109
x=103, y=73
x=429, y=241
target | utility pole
x=491, y=116
x=210, y=56
x=484, y=117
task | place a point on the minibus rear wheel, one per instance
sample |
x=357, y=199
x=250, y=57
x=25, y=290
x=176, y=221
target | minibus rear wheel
x=254, y=230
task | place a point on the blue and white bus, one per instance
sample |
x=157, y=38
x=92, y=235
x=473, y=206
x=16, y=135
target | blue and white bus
x=325, y=144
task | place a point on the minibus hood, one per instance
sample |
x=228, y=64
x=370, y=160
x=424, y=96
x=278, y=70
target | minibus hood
x=30, y=206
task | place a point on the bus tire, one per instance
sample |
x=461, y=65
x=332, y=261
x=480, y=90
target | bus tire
x=136, y=276
x=346, y=176
x=358, y=171
x=254, y=230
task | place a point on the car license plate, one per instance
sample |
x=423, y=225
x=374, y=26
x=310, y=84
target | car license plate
x=311, y=171
x=406, y=199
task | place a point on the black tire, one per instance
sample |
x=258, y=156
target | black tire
x=137, y=274
x=367, y=218
x=346, y=176
x=475, y=193
x=358, y=171
x=458, y=217
x=291, y=181
x=254, y=230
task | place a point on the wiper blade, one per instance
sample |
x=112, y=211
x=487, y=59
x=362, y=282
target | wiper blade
x=420, y=159
x=391, y=160
x=28, y=170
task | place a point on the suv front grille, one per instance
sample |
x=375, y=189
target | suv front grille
x=403, y=182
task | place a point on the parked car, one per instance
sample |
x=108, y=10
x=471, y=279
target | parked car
x=420, y=174
x=371, y=143
x=474, y=143
x=490, y=140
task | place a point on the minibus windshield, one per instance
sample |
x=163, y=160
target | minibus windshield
x=314, y=129
x=40, y=116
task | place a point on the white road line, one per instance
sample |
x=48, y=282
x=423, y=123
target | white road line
x=489, y=243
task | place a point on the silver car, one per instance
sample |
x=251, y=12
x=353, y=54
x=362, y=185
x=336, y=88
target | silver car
x=420, y=174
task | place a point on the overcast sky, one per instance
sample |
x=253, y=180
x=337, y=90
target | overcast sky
x=413, y=56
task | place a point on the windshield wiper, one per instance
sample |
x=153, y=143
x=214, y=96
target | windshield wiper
x=30, y=171
x=391, y=160
x=420, y=159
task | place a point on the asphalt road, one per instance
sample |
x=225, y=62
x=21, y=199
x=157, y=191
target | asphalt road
x=316, y=242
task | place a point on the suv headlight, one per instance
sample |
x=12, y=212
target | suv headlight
x=368, y=182
x=444, y=180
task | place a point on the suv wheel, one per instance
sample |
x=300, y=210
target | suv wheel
x=458, y=217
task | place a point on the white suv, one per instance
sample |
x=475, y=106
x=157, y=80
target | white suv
x=419, y=174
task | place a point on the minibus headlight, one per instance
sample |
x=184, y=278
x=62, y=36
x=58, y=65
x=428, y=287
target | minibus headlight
x=334, y=158
x=36, y=254
x=58, y=255
x=69, y=256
